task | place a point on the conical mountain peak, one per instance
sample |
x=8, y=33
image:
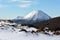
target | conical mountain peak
x=37, y=15
x=33, y=17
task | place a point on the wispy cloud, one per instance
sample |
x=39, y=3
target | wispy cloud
x=24, y=5
x=20, y=3
x=26, y=1
x=14, y=0
x=19, y=0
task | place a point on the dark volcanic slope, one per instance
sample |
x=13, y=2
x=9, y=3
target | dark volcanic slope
x=52, y=24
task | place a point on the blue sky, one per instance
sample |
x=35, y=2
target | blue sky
x=14, y=8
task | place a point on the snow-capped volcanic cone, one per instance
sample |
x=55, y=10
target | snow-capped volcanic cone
x=37, y=15
x=33, y=17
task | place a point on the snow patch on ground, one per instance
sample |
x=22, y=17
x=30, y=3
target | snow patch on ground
x=10, y=34
x=26, y=36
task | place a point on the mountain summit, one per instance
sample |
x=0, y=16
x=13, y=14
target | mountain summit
x=37, y=15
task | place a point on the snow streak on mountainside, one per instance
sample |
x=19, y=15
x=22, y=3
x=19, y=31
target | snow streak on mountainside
x=37, y=15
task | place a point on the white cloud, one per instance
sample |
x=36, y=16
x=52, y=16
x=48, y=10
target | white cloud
x=19, y=0
x=26, y=1
x=24, y=5
x=14, y=0
x=3, y=6
x=20, y=3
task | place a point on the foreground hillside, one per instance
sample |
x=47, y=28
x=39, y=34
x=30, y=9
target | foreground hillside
x=10, y=34
x=12, y=31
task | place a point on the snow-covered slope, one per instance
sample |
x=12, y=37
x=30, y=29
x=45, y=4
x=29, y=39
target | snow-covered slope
x=10, y=34
x=37, y=15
